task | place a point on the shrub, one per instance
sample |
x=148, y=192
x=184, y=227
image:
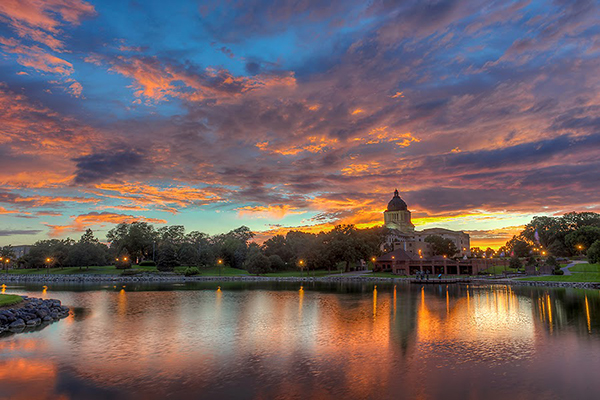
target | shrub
x=558, y=271
x=258, y=264
x=190, y=271
x=147, y=263
x=593, y=253
x=131, y=272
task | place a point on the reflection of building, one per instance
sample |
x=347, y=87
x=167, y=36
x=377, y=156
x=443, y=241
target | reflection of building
x=403, y=235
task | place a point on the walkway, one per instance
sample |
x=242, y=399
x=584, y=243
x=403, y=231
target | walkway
x=566, y=269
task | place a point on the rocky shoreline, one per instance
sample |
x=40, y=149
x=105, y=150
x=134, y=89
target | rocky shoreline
x=164, y=278
x=30, y=314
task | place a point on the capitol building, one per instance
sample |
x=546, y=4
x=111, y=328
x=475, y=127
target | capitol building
x=402, y=233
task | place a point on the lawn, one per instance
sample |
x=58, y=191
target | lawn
x=317, y=273
x=585, y=268
x=577, y=277
x=9, y=299
x=215, y=271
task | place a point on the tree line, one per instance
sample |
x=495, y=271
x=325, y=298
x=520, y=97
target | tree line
x=569, y=235
x=171, y=246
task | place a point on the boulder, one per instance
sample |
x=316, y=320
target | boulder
x=18, y=324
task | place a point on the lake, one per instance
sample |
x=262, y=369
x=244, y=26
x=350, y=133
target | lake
x=323, y=341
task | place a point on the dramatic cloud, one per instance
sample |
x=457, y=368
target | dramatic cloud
x=299, y=114
x=94, y=219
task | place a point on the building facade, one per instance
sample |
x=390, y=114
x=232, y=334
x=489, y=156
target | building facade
x=402, y=233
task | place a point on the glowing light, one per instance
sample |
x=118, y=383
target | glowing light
x=219, y=261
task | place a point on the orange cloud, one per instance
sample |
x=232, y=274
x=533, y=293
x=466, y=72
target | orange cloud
x=5, y=211
x=383, y=134
x=167, y=199
x=276, y=212
x=358, y=169
x=83, y=221
x=313, y=144
x=37, y=58
x=156, y=81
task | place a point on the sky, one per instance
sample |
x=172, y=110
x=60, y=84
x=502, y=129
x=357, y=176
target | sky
x=296, y=114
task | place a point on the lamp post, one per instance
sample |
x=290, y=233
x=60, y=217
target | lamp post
x=48, y=260
x=220, y=263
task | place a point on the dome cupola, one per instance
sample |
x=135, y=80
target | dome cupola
x=396, y=203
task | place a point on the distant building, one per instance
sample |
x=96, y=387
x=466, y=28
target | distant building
x=397, y=219
x=20, y=251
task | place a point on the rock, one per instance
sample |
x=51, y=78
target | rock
x=18, y=324
x=48, y=318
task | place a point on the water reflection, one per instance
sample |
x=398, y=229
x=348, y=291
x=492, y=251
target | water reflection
x=316, y=341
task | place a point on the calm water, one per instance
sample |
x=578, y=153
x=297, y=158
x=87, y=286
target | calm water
x=263, y=341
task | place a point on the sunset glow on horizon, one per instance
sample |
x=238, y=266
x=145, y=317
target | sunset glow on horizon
x=295, y=115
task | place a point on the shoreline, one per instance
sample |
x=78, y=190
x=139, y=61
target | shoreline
x=98, y=278
x=32, y=313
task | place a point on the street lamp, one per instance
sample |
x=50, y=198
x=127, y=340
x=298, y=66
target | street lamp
x=220, y=262
x=48, y=261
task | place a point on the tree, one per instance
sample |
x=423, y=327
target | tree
x=87, y=252
x=515, y=262
x=343, y=243
x=258, y=264
x=279, y=246
x=582, y=238
x=593, y=253
x=551, y=261
x=518, y=247
x=7, y=254
x=167, y=257
x=277, y=264
x=232, y=247
x=441, y=246
x=136, y=239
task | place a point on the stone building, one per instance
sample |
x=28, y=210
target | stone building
x=397, y=218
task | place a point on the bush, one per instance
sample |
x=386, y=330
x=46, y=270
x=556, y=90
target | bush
x=593, y=253
x=190, y=271
x=131, y=272
x=558, y=271
x=147, y=263
x=258, y=264
x=277, y=263
x=123, y=263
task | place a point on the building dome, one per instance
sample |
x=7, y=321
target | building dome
x=396, y=203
